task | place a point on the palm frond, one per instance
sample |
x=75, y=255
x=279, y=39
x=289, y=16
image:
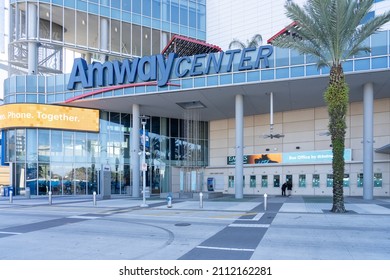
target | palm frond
x=331, y=30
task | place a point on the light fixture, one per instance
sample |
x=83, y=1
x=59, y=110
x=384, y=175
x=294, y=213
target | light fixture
x=191, y=105
x=271, y=120
x=47, y=14
x=83, y=22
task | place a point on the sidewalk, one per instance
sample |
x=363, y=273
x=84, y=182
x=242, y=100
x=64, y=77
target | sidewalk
x=293, y=228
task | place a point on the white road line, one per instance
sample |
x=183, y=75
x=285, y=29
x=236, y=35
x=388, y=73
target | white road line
x=226, y=249
x=258, y=216
x=10, y=232
x=84, y=217
x=250, y=225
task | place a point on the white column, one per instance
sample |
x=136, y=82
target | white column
x=368, y=141
x=104, y=32
x=239, y=171
x=32, y=39
x=135, y=157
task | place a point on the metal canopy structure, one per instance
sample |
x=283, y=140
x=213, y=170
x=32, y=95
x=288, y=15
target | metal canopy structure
x=184, y=46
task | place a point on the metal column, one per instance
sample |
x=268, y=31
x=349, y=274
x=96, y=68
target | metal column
x=135, y=158
x=239, y=147
x=368, y=140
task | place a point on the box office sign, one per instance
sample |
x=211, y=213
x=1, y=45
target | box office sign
x=323, y=156
x=49, y=116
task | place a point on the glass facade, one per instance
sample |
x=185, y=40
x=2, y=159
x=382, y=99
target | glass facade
x=102, y=29
x=67, y=162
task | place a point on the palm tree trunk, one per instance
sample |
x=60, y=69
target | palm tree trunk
x=336, y=97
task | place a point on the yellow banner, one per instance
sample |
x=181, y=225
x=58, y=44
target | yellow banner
x=49, y=116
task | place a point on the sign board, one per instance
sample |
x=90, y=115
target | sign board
x=49, y=116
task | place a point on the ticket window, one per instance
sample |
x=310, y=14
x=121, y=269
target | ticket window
x=346, y=180
x=252, y=183
x=231, y=182
x=276, y=181
x=360, y=180
x=378, y=180
x=264, y=181
x=316, y=180
x=329, y=180
x=302, y=180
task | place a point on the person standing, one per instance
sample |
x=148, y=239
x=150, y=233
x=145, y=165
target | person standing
x=289, y=188
x=284, y=187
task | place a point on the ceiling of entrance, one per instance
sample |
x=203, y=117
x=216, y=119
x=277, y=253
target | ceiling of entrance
x=219, y=102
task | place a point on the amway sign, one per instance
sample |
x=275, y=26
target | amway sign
x=157, y=68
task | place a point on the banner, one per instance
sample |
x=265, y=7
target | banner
x=49, y=116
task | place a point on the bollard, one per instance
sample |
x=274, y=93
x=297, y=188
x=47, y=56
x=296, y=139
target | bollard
x=169, y=201
x=200, y=200
x=11, y=196
x=94, y=198
x=265, y=202
x=50, y=198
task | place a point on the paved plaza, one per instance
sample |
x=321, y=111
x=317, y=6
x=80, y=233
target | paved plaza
x=286, y=228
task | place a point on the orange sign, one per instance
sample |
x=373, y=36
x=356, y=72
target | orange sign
x=49, y=116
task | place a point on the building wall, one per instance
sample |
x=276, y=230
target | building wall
x=231, y=19
x=304, y=130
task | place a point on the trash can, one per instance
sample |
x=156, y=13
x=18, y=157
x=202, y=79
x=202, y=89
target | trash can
x=7, y=189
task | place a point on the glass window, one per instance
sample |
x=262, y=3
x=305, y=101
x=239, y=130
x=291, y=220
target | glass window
x=80, y=148
x=156, y=9
x=115, y=36
x=20, y=144
x=156, y=41
x=126, y=38
x=282, y=57
x=136, y=40
x=201, y=23
x=175, y=11
x=93, y=28
x=56, y=146
x=264, y=181
x=252, y=183
x=360, y=180
x=166, y=11
x=68, y=146
x=183, y=14
x=316, y=180
x=146, y=7
x=136, y=7
x=69, y=24
x=31, y=145
x=329, y=180
x=146, y=41
x=44, y=22
x=276, y=181
x=43, y=145
x=379, y=43
x=302, y=180
x=192, y=15
x=378, y=180
x=346, y=180
x=231, y=182
x=81, y=30
x=20, y=83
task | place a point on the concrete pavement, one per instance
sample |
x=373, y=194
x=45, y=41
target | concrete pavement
x=291, y=228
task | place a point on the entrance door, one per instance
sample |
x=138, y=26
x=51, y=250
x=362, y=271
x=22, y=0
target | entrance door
x=289, y=178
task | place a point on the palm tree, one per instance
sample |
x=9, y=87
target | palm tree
x=255, y=41
x=332, y=31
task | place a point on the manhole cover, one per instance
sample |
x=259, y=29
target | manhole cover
x=182, y=224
